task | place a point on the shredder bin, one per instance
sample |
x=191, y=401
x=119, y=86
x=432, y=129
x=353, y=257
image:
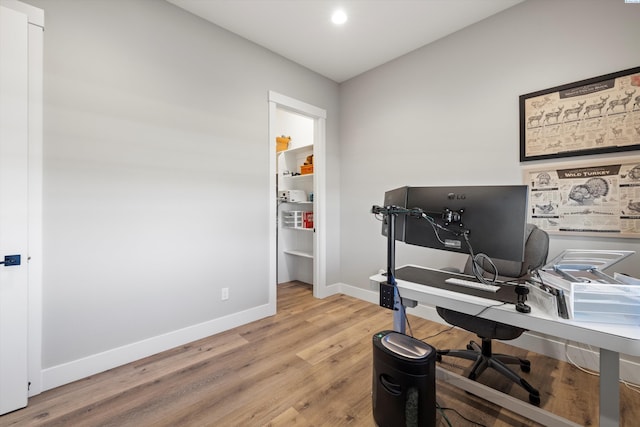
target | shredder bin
x=404, y=381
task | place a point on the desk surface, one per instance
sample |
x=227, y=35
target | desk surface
x=615, y=337
x=437, y=279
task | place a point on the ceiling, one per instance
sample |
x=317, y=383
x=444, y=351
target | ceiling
x=376, y=32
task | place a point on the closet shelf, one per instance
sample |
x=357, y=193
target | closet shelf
x=298, y=177
x=301, y=254
x=298, y=149
x=298, y=228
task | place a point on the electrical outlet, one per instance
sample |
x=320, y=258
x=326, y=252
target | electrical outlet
x=224, y=295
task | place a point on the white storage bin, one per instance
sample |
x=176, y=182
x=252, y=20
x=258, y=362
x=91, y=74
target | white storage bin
x=292, y=219
x=606, y=303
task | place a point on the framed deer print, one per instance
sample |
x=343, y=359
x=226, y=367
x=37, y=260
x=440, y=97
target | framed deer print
x=597, y=115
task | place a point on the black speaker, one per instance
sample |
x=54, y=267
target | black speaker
x=404, y=381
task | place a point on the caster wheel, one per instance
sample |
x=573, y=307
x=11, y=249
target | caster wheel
x=525, y=366
x=534, y=399
x=472, y=376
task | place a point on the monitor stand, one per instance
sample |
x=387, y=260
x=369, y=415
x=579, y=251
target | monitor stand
x=389, y=295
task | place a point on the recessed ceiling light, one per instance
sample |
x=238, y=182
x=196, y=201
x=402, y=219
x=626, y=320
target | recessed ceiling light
x=339, y=17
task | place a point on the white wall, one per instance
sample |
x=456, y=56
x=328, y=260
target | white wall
x=296, y=126
x=156, y=156
x=447, y=114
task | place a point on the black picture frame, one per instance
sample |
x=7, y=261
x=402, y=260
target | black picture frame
x=592, y=116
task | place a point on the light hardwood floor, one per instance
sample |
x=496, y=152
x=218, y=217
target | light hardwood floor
x=309, y=365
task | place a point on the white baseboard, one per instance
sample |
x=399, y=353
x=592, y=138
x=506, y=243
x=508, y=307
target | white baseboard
x=81, y=368
x=332, y=289
x=580, y=354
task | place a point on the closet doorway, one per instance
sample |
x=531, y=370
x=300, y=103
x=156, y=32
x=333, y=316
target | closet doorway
x=297, y=193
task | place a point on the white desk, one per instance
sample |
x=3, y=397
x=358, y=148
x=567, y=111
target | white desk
x=611, y=339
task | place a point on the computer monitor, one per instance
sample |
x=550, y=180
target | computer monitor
x=397, y=197
x=492, y=217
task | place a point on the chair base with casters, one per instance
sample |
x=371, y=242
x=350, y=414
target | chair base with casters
x=535, y=256
x=484, y=358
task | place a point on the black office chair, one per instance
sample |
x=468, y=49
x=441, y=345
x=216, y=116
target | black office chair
x=536, y=250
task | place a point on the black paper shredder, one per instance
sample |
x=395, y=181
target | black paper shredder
x=404, y=381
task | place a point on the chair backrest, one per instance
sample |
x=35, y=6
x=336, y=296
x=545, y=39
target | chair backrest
x=536, y=250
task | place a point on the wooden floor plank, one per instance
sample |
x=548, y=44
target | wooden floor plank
x=309, y=365
x=289, y=418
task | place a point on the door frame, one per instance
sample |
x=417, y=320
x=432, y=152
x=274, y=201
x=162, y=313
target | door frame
x=319, y=116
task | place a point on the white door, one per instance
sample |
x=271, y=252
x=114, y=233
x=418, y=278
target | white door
x=13, y=208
